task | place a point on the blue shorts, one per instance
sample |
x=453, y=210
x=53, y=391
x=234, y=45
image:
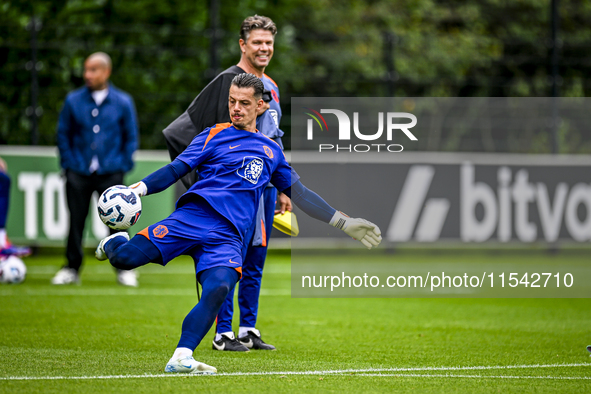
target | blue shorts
x=199, y=231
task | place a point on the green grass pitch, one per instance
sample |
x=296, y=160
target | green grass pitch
x=101, y=337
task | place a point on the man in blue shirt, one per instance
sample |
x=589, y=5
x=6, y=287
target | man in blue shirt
x=256, y=43
x=97, y=135
x=235, y=164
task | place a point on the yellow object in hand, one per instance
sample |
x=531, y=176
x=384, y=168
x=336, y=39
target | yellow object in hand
x=286, y=223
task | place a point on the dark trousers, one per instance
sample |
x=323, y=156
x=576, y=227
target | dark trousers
x=79, y=189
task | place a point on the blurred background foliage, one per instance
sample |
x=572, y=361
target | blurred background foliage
x=165, y=52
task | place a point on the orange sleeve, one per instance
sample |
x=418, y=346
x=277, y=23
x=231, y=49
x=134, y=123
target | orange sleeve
x=214, y=131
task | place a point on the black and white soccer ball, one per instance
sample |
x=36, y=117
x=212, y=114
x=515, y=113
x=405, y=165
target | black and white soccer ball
x=119, y=207
x=12, y=270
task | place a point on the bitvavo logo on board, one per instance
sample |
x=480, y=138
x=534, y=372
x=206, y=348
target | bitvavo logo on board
x=392, y=120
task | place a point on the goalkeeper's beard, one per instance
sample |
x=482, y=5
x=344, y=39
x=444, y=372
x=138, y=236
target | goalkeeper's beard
x=243, y=125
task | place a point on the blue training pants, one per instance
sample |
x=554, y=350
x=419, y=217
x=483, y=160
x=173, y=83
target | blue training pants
x=252, y=274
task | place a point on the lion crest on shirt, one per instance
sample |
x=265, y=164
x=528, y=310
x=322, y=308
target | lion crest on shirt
x=251, y=170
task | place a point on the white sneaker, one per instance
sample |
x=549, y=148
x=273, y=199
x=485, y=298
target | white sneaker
x=100, y=249
x=189, y=365
x=127, y=278
x=66, y=276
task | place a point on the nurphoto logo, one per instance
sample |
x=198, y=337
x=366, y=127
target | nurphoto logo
x=393, y=124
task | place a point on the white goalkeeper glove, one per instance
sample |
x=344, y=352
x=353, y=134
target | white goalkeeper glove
x=140, y=188
x=360, y=229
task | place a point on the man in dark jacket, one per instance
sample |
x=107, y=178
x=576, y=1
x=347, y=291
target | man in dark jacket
x=97, y=135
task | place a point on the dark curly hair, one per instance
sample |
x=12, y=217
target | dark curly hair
x=247, y=80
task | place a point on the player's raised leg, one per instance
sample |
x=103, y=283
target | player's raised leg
x=126, y=254
x=216, y=282
x=100, y=252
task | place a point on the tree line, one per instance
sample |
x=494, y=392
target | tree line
x=164, y=53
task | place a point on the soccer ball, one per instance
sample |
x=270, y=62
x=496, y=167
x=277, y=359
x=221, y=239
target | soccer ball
x=119, y=207
x=12, y=270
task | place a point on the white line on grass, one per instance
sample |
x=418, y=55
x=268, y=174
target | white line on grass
x=413, y=375
x=361, y=372
x=410, y=369
x=481, y=367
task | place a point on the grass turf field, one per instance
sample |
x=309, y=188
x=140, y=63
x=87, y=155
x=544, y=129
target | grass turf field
x=101, y=337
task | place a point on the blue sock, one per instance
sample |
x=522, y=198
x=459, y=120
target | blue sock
x=217, y=283
x=126, y=255
x=4, y=198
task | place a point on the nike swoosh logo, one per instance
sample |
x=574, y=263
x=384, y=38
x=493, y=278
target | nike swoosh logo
x=232, y=147
x=231, y=262
x=248, y=344
x=218, y=347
